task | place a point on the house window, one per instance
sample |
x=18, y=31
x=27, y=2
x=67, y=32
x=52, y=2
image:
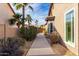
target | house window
x=69, y=27
x=50, y=27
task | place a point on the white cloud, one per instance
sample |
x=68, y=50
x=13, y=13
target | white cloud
x=37, y=14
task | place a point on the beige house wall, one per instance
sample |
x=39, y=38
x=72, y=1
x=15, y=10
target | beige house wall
x=7, y=31
x=11, y=31
x=78, y=29
x=1, y=31
x=5, y=14
x=59, y=11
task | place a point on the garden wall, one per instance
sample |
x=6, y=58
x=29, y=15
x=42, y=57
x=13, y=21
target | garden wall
x=7, y=31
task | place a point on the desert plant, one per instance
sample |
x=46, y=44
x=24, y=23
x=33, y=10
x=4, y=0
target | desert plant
x=46, y=34
x=54, y=36
x=29, y=19
x=36, y=22
x=12, y=21
x=28, y=34
x=16, y=19
x=32, y=32
x=11, y=47
x=23, y=5
x=22, y=32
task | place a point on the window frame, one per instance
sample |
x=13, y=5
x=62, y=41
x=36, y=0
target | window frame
x=69, y=43
x=49, y=26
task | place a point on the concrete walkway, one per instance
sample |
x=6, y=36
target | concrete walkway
x=40, y=47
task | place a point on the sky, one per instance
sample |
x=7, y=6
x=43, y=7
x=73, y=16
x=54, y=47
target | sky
x=40, y=12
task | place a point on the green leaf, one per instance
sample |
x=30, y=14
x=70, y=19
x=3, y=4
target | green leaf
x=17, y=16
x=19, y=6
x=12, y=21
x=31, y=8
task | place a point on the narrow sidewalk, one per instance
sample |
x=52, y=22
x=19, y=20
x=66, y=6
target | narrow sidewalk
x=40, y=47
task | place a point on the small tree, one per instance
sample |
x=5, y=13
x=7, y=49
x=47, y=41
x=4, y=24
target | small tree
x=16, y=20
x=22, y=5
x=36, y=22
x=29, y=19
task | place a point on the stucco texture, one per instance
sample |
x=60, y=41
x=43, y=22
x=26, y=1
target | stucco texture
x=58, y=11
x=5, y=14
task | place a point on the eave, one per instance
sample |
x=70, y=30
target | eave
x=50, y=9
x=50, y=18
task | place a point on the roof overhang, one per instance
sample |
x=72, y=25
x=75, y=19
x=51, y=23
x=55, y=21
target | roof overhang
x=50, y=9
x=50, y=18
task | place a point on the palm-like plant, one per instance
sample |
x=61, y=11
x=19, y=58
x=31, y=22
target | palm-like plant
x=29, y=19
x=16, y=19
x=22, y=5
x=36, y=22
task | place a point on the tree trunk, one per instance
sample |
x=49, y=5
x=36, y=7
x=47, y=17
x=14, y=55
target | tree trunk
x=29, y=23
x=23, y=11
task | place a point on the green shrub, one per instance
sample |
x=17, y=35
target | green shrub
x=31, y=33
x=28, y=34
x=22, y=32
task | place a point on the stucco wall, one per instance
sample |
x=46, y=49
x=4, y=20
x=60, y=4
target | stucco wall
x=78, y=28
x=5, y=14
x=7, y=31
x=11, y=31
x=58, y=12
x=1, y=31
